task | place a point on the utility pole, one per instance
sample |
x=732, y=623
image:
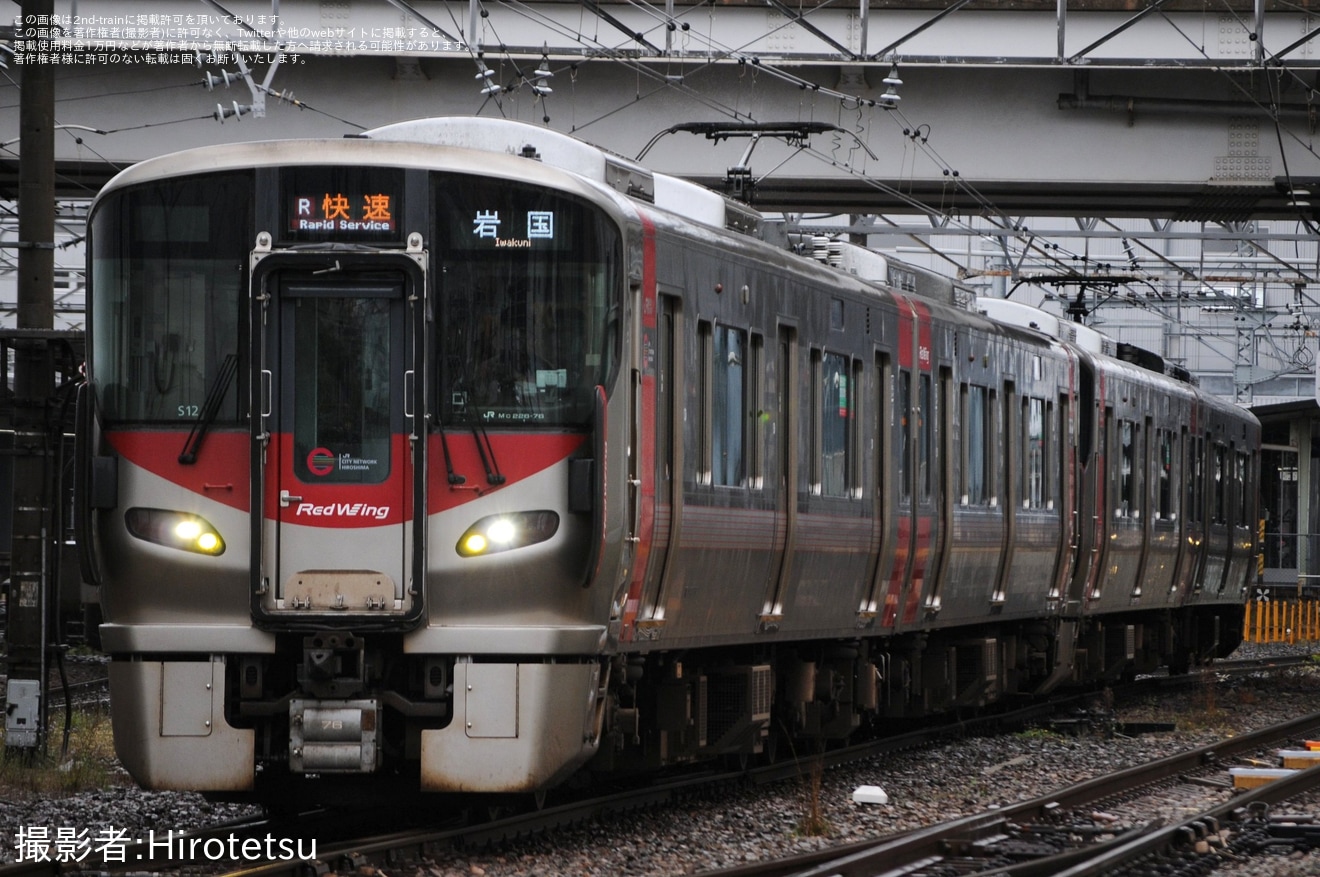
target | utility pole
x=32, y=603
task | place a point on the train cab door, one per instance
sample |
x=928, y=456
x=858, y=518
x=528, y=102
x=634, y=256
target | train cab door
x=340, y=532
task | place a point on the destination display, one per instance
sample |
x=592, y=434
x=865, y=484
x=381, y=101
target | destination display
x=342, y=213
x=322, y=202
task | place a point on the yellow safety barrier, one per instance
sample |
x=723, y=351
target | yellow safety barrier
x=1282, y=621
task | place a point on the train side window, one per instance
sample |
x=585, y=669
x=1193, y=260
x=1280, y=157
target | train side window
x=729, y=407
x=905, y=415
x=976, y=430
x=1033, y=444
x=835, y=395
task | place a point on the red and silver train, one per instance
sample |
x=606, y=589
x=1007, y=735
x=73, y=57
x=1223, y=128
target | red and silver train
x=465, y=455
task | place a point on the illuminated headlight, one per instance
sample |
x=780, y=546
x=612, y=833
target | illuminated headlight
x=180, y=530
x=497, y=533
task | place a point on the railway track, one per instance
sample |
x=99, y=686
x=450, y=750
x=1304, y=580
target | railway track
x=392, y=846
x=1073, y=833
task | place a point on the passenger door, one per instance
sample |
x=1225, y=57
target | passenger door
x=339, y=388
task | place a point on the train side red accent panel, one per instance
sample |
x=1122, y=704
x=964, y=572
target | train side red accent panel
x=220, y=473
x=518, y=455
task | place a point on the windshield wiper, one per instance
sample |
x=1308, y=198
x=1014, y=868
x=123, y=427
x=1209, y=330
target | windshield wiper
x=210, y=408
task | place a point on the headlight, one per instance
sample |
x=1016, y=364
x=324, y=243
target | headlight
x=497, y=533
x=181, y=530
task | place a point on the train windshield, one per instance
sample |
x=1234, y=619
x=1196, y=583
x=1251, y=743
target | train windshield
x=527, y=278
x=168, y=272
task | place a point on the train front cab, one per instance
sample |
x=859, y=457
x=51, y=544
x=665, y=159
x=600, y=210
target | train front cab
x=385, y=568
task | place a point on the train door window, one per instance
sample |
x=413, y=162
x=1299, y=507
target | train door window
x=976, y=467
x=1126, y=473
x=729, y=407
x=1243, y=489
x=1252, y=468
x=835, y=414
x=883, y=397
x=1142, y=439
x=1193, y=454
x=1164, y=475
x=342, y=363
x=1219, y=476
x=1010, y=437
x=1067, y=448
x=1049, y=439
x=905, y=414
x=855, y=431
x=994, y=453
x=755, y=431
x=926, y=433
x=785, y=429
x=667, y=387
x=1111, y=463
x=705, y=354
x=1033, y=443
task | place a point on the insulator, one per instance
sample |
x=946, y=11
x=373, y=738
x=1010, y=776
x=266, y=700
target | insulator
x=210, y=79
x=820, y=248
x=222, y=112
x=542, y=90
x=485, y=73
x=492, y=88
x=542, y=72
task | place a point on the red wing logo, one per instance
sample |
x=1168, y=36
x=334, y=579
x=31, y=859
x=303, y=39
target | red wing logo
x=320, y=461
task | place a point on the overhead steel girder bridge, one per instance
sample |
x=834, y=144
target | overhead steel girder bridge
x=1075, y=109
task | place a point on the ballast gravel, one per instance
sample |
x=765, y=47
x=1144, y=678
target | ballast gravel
x=725, y=829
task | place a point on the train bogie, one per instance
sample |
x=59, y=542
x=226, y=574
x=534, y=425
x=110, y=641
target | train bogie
x=465, y=456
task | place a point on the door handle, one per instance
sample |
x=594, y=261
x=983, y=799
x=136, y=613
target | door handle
x=287, y=500
x=266, y=395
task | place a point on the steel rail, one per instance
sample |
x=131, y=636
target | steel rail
x=931, y=843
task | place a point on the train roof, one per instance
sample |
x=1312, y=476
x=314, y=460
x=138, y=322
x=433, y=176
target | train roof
x=577, y=157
